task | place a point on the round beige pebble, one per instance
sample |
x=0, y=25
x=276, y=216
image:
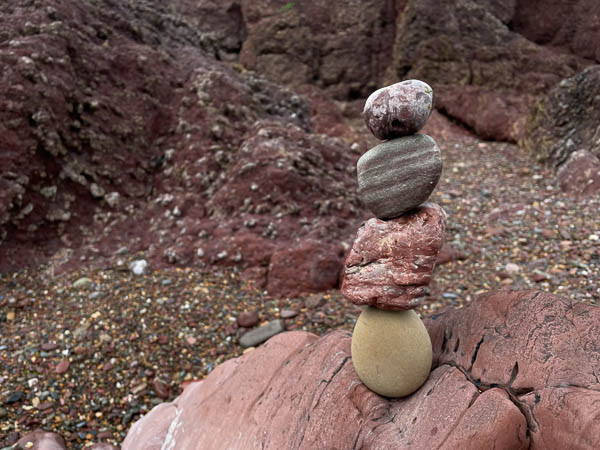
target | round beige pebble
x=391, y=351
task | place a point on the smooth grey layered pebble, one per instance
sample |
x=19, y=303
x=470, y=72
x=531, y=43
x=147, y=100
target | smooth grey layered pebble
x=398, y=175
x=261, y=334
x=398, y=110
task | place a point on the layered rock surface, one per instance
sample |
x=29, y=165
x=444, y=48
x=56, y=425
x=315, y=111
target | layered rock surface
x=513, y=369
x=391, y=262
x=483, y=72
x=566, y=119
x=563, y=130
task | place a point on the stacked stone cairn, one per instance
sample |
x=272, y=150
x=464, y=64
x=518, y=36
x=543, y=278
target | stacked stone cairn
x=394, y=253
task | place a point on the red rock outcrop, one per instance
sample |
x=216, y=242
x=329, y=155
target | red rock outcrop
x=570, y=25
x=109, y=123
x=342, y=47
x=511, y=370
x=487, y=61
x=484, y=74
x=562, y=130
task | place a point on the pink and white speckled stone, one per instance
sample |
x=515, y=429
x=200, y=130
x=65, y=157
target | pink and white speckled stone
x=391, y=261
x=398, y=110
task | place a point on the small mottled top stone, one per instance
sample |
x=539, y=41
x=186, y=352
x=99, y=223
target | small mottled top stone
x=398, y=110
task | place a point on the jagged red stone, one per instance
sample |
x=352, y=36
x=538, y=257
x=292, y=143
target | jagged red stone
x=391, y=262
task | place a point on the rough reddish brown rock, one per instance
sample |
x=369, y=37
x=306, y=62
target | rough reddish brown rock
x=391, y=261
x=571, y=25
x=282, y=395
x=398, y=110
x=566, y=119
x=487, y=60
x=580, y=174
x=342, y=47
x=196, y=141
x=247, y=319
x=540, y=348
x=307, y=267
x=491, y=114
x=287, y=408
x=484, y=74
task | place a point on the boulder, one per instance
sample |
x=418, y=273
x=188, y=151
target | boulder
x=580, y=174
x=308, y=267
x=391, y=262
x=491, y=114
x=512, y=370
x=566, y=119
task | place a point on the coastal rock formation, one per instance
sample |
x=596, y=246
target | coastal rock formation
x=219, y=164
x=487, y=60
x=511, y=369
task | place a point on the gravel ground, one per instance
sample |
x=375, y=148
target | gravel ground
x=85, y=354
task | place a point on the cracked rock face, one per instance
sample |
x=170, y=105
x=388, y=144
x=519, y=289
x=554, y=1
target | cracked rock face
x=391, y=262
x=512, y=370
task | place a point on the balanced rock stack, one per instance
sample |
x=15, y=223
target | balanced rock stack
x=394, y=253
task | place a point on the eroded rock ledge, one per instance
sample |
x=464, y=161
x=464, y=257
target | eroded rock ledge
x=514, y=369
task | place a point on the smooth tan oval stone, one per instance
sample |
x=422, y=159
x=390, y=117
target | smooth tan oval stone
x=391, y=351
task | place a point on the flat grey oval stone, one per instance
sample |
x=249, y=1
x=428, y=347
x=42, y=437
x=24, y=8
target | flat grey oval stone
x=398, y=175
